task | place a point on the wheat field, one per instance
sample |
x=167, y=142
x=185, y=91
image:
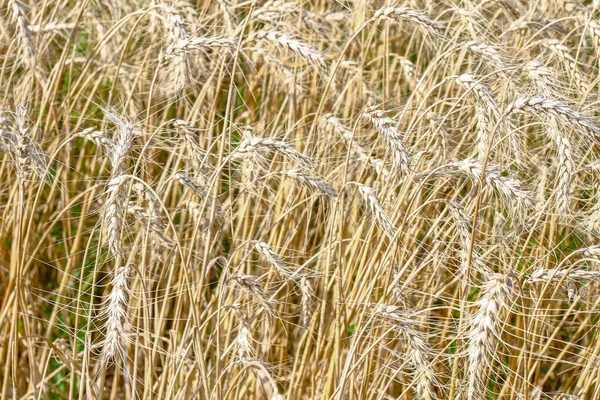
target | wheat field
x=302, y=199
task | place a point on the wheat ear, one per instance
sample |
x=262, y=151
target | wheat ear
x=544, y=80
x=386, y=127
x=420, y=351
x=311, y=181
x=368, y=195
x=177, y=32
x=251, y=145
x=496, y=293
x=509, y=189
x=488, y=112
x=346, y=134
x=285, y=41
x=564, y=54
x=557, y=109
x=115, y=311
x=410, y=15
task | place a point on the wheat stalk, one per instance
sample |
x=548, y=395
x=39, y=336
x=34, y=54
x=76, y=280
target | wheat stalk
x=555, y=274
x=155, y=224
x=440, y=135
x=99, y=138
x=113, y=214
x=287, y=75
x=410, y=73
x=51, y=26
x=200, y=190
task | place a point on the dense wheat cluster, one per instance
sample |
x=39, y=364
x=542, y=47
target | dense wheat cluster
x=301, y=199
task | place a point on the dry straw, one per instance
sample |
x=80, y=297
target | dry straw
x=274, y=169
